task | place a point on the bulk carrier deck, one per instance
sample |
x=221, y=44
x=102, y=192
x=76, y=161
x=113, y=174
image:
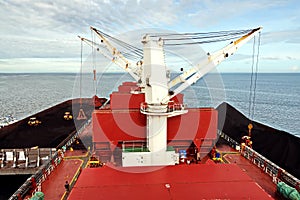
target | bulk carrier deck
x=146, y=143
x=71, y=165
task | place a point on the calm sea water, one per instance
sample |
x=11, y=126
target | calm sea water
x=277, y=96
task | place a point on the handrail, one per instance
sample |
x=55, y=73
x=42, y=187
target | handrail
x=72, y=137
x=45, y=170
x=145, y=107
x=277, y=173
x=37, y=178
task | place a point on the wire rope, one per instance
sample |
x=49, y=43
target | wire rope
x=256, y=73
x=80, y=76
x=253, y=80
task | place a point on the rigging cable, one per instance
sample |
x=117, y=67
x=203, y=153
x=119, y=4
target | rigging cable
x=175, y=39
x=216, y=33
x=80, y=76
x=81, y=114
x=254, y=74
x=132, y=49
x=94, y=64
x=251, y=79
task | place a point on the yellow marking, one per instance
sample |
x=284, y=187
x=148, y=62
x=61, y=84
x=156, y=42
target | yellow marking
x=230, y=152
x=73, y=180
x=245, y=36
x=94, y=162
x=76, y=157
x=218, y=159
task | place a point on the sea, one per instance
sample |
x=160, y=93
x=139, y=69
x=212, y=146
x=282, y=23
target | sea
x=269, y=98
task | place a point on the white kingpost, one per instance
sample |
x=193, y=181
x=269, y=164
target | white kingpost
x=26, y=157
x=14, y=158
x=38, y=157
x=156, y=88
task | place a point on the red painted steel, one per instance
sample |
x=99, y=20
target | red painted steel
x=173, y=182
x=53, y=186
x=126, y=101
x=124, y=122
x=130, y=125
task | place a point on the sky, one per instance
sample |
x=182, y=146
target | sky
x=41, y=36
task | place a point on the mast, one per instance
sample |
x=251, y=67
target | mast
x=155, y=77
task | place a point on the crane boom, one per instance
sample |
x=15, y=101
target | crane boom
x=118, y=58
x=95, y=46
x=191, y=76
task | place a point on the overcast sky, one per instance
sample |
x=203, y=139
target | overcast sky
x=41, y=36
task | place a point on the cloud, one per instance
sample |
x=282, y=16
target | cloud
x=295, y=68
x=288, y=36
x=290, y=58
x=279, y=58
x=26, y=65
x=34, y=47
x=209, y=13
x=76, y=16
x=270, y=58
x=49, y=29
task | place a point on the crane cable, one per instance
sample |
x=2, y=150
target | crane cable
x=94, y=64
x=126, y=48
x=255, y=77
x=81, y=114
x=253, y=83
x=175, y=39
x=80, y=75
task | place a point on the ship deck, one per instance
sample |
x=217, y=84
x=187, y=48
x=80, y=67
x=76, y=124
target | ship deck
x=197, y=181
x=53, y=188
x=237, y=178
x=68, y=170
x=263, y=180
x=210, y=180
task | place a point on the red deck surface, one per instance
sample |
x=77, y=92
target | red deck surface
x=53, y=187
x=264, y=180
x=202, y=181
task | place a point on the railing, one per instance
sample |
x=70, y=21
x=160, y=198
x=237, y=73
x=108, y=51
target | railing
x=274, y=171
x=13, y=160
x=161, y=108
x=277, y=173
x=36, y=179
x=33, y=183
x=69, y=140
x=231, y=141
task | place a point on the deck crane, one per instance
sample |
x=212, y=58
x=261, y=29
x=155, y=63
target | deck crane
x=156, y=87
x=158, y=96
x=187, y=78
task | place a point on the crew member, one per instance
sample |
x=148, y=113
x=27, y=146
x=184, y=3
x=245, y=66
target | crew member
x=67, y=186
